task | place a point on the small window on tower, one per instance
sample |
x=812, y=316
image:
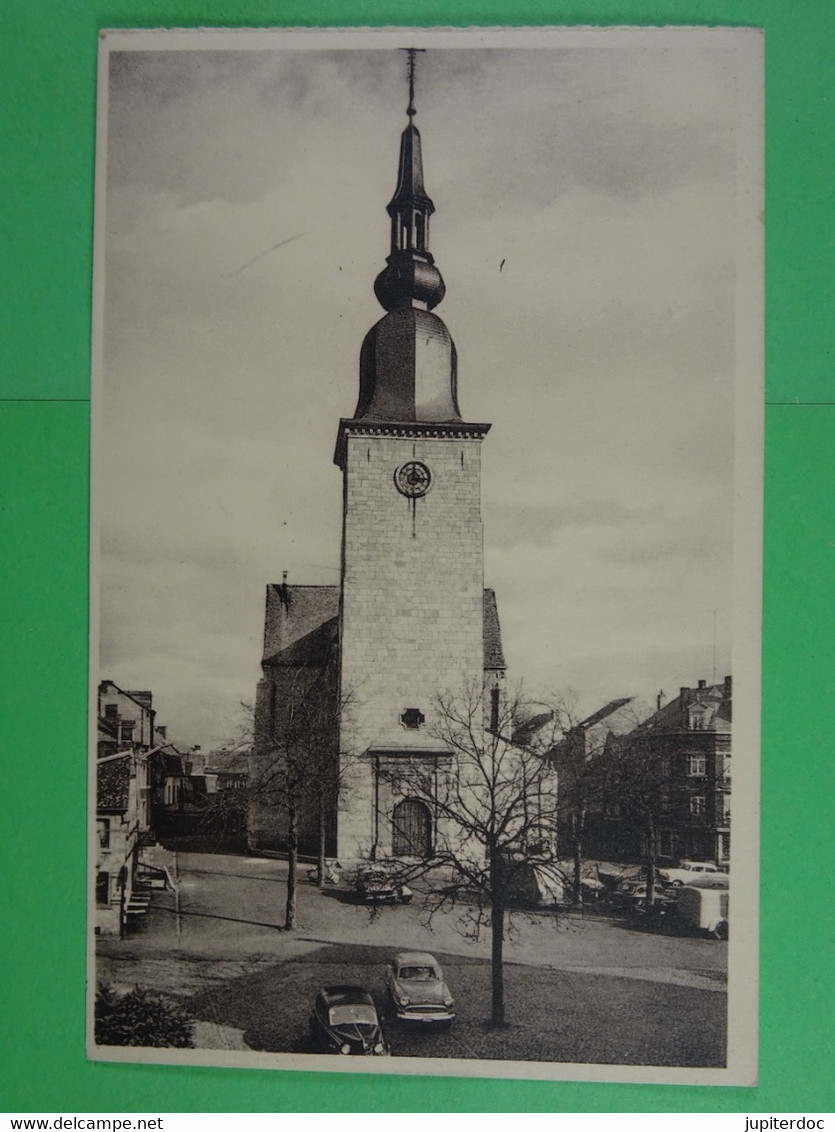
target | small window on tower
x=412, y=718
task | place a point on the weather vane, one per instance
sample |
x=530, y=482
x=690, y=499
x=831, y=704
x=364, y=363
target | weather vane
x=412, y=52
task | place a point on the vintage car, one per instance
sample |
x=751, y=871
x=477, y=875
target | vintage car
x=705, y=909
x=418, y=990
x=631, y=895
x=344, y=1021
x=635, y=900
x=688, y=870
x=377, y=885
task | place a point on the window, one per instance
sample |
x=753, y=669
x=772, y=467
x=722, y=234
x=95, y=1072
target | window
x=494, y=709
x=111, y=712
x=697, y=805
x=102, y=888
x=127, y=730
x=412, y=718
x=103, y=831
x=697, y=766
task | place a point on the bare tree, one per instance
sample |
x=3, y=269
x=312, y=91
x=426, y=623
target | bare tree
x=578, y=751
x=300, y=763
x=637, y=780
x=495, y=806
x=291, y=771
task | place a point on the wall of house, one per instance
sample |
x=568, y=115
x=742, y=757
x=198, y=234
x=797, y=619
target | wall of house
x=127, y=708
x=116, y=860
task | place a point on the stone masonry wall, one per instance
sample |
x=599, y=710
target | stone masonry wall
x=411, y=605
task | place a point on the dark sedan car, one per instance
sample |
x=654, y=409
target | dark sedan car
x=344, y=1020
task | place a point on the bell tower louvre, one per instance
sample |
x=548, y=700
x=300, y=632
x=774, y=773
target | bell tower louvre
x=410, y=619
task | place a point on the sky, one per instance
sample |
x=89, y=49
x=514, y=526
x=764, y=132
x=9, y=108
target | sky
x=586, y=207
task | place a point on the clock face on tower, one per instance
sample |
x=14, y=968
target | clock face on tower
x=413, y=479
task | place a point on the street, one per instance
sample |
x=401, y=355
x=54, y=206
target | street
x=578, y=987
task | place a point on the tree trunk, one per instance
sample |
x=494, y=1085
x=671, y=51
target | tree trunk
x=292, y=867
x=497, y=932
x=650, y=903
x=497, y=937
x=320, y=865
x=579, y=822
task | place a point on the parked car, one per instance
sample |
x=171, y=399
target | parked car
x=687, y=870
x=376, y=885
x=591, y=888
x=705, y=909
x=623, y=894
x=636, y=899
x=418, y=990
x=344, y=1021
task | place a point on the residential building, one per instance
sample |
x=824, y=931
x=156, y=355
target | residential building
x=121, y=792
x=126, y=719
x=669, y=783
x=138, y=776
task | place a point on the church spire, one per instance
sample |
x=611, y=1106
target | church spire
x=410, y=278
x=408, y=364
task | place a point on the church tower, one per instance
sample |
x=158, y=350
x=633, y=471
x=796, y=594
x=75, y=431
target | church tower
x=413, y=613
x=346, y=706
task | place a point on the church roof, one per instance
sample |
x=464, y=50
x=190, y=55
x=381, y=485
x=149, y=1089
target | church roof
x=301, y=626
x=293, y=612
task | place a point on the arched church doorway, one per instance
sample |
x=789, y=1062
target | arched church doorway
x=411, y=829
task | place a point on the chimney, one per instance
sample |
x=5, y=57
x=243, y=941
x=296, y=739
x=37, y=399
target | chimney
x=728, y=686
x=703, y=683
x=283, y=591
x=660, y=700
x=684, y=696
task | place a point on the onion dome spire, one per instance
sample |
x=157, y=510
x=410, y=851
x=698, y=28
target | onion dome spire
x=410, y=278
x=408, y=364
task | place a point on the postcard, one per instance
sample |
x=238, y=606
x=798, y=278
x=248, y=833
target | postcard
x=427, y=538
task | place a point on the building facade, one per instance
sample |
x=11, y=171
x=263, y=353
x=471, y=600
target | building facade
x=665, y=786
x=135, y=770
x=122, y=817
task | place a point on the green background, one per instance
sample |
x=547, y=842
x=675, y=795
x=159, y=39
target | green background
x=48, y=98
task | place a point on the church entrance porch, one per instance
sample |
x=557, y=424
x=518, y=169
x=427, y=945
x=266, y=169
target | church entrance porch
x=405, y=821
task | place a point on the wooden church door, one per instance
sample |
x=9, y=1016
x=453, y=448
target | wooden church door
x=412, y=829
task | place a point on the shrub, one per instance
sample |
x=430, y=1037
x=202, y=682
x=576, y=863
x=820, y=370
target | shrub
x=140, y=1018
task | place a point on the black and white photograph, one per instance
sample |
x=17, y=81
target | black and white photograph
x=426, y=496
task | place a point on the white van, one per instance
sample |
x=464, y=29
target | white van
x=705, y=909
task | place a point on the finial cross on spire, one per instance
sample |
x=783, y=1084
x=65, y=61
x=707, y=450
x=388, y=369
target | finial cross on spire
x=412, y=52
